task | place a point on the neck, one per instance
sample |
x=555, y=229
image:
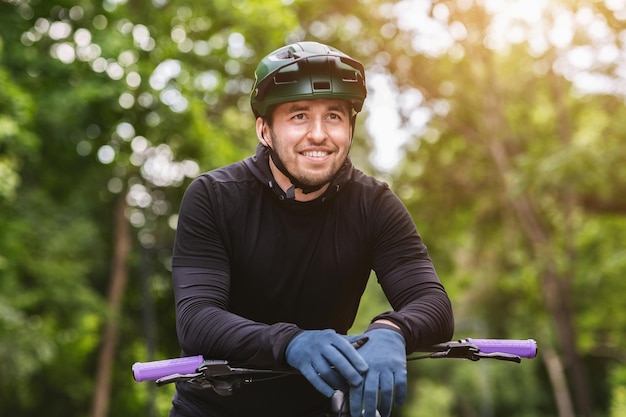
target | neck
x=285, y=184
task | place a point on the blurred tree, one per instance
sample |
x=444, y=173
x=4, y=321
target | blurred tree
x=129, y=99
x=519, y=160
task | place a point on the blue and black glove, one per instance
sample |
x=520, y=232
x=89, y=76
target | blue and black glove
x=385, y=381
x=326, y=359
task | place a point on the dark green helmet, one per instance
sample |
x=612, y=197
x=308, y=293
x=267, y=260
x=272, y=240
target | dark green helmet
x=306, y=71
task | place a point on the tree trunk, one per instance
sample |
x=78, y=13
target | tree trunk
x=556, y=285
x=556, y=374
x=119, y=278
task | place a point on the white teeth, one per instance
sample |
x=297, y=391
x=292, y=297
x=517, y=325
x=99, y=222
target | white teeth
x=315, y=154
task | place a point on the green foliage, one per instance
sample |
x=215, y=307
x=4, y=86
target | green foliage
x=17, y=140
x=599, y=276
x=51, y=317
x=618, y=402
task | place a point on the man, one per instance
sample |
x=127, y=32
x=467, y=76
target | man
x=273, y=253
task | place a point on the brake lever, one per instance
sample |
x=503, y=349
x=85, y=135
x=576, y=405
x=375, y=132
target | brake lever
x=501, y=356
x=177, y=378
x=458, y=352
x=218, y=376
x=467, y=351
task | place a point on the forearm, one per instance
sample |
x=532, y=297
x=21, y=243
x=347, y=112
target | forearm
x=426, y=320
x=205, y=326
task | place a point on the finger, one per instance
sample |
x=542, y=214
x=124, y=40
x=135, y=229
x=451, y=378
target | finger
x=370, y=394
x=351, y=355
x=317, y=381
x=347, y=371
x=386, y=384
x=353, y=337
x=327, y=373
x=400, y=387
x=356, y=400
x=345, y=368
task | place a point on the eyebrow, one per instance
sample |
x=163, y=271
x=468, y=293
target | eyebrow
x=302, y=107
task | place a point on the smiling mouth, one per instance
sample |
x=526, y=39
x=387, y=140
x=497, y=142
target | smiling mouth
x=316, y=154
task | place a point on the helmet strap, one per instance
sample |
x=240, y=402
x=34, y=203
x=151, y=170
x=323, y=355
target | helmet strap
x=306, y=189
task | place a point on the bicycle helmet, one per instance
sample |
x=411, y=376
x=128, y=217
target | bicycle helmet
x=306, y=71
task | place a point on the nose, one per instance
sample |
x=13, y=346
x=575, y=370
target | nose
x=317, y=131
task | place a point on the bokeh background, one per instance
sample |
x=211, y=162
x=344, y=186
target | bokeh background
x=501, y=125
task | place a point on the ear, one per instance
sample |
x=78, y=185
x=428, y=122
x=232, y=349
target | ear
x=262, y=131
x=352, y=127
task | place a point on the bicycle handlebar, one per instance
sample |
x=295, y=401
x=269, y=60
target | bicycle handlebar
x=522, y=348
x=190, y=367
x=150, y=371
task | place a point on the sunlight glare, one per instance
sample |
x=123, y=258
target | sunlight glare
x=383, y=122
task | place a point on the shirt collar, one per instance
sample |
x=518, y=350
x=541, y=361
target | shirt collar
x=260, y=167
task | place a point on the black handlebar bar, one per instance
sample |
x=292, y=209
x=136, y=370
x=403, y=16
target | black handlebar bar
x=223, y=378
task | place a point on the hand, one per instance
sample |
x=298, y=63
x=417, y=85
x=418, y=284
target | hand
x=385, y=355
x=326, y=359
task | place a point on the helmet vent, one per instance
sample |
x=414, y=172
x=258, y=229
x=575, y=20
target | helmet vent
x=285, y=78
x=286, y=54
x=321, y=85
x=349, y=76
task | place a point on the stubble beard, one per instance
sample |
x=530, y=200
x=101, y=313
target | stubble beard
x=304, y=176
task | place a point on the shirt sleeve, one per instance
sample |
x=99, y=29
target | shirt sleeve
x=421, y=306
x=201, y=281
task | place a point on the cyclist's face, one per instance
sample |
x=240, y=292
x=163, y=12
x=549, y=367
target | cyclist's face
x=311, y=137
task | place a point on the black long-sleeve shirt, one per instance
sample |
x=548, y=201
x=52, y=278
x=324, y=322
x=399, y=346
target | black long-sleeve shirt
x=252, y=268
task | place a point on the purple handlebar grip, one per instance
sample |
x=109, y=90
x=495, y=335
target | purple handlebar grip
x=522, y=348
x=150, y=371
